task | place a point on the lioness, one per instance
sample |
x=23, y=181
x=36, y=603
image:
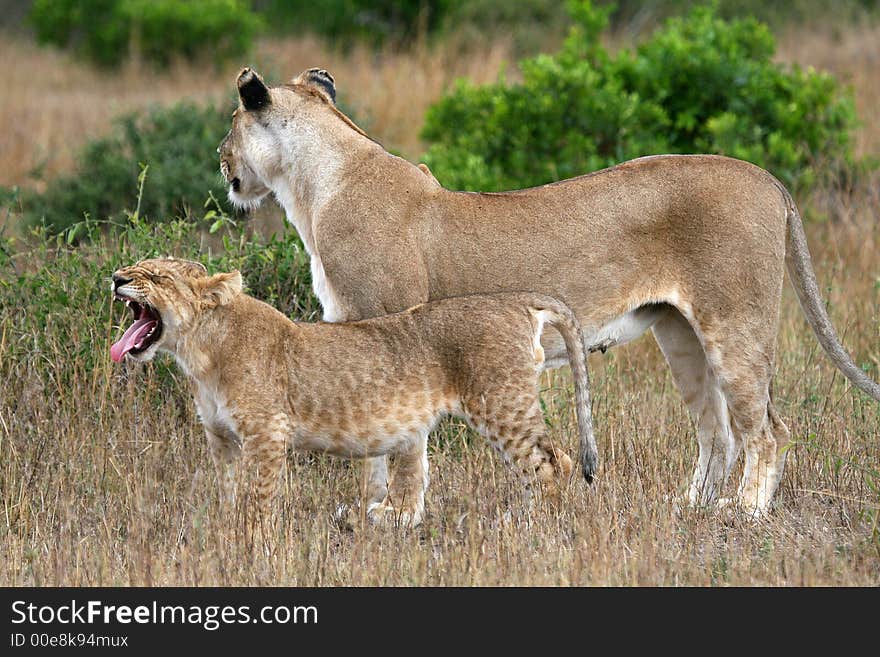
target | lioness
x=368, y=388
x=692, y=247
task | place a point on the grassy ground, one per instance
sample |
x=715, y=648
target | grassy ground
x=105, y=479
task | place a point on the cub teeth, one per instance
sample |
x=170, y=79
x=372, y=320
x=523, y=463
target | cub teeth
x=140, y=343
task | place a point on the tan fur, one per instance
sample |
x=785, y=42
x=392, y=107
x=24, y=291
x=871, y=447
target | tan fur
x=363, y=389
x=427, y=171
x=693, y=247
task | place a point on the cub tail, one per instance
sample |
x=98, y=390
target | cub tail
x=559, y=316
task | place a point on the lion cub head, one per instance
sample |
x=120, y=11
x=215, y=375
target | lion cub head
x=167, y=298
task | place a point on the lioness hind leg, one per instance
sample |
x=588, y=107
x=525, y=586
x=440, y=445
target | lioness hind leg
x=706, y=404
x=765, y=438
x=404, y=503
x=743, y=362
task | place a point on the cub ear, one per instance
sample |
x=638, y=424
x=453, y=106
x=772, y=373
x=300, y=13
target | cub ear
x=318, y=79
x=220, y=289
x=252, y=90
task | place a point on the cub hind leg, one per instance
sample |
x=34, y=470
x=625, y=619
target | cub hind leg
x=509, y=416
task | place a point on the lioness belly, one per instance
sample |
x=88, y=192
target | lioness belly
x=620, y=330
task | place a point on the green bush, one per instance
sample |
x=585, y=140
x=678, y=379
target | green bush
x=178, y=144
x=699, y=84
x=49, y=289
x=159, y=31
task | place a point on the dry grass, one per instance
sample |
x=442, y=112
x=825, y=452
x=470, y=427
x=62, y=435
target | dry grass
x=105, y=479
x=853, y=56
x=59, y=103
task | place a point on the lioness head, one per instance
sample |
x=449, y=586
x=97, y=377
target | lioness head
x=167, y=298
x=251, y=153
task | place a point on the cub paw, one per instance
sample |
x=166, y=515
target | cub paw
x=564, y=464
x=384, y=514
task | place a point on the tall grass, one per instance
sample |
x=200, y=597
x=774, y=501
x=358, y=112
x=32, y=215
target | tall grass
x=59, y=103
x=104, y=476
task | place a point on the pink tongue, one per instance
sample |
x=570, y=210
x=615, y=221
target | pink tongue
x=133, y=336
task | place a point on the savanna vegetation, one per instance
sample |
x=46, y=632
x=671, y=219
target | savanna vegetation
x=109, y=157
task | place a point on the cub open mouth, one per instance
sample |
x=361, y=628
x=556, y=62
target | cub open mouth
x=146, y=329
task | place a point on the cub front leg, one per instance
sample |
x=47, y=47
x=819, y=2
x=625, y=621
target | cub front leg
x=225, y=450
x=265, y=447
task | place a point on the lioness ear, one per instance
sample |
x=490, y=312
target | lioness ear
x=220, y=289
x=253, y=92
x=318, y=79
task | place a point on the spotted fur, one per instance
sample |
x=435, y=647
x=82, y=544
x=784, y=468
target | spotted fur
x=361, y=389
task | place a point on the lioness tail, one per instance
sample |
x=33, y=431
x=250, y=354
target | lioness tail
x=803, y=279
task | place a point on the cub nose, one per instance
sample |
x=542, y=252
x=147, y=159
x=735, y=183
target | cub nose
x=119, y=281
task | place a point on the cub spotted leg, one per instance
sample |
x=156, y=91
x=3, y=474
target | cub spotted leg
x=509, y=416
x=225, y=453
x=264, y=446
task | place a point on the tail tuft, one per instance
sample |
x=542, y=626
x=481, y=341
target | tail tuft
x=588, y=467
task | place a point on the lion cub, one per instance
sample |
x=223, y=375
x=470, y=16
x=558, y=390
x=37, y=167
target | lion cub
x=358, y=389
